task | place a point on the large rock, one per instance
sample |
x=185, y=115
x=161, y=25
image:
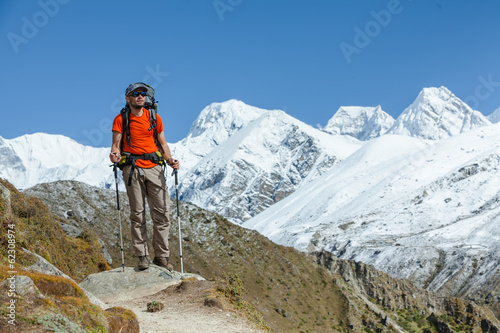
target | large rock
x=43, y=266
x=23, y=285
x=127, y=283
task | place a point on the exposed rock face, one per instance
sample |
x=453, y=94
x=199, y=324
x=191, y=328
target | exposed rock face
x=389, y=292
x=398, y=294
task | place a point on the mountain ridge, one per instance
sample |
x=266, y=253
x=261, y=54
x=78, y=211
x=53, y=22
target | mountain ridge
x=89, y=164
x=36, y=158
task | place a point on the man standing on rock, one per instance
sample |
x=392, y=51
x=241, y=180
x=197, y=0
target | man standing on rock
x=140, y=148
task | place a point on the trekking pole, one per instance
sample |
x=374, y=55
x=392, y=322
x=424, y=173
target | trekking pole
x=115, y=165
x=178, y=219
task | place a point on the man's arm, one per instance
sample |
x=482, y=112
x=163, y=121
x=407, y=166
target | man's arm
x=115, y=154
x=166, y=152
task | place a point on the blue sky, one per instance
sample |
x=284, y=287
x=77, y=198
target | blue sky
x=65, y=64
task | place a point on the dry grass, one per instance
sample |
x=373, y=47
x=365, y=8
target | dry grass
x=60, y=303
x=39, y=231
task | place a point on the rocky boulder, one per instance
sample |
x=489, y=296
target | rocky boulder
x=127, y=283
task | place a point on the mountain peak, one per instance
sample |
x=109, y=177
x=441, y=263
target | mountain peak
x=223, y=119
x=363, y=123
x=494, y=117
x=437, y=114
x=214, y=125
x=436, y=91
x=436, y=96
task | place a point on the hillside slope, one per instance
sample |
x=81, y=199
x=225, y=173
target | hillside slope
x=289, y=288
x=34, y=299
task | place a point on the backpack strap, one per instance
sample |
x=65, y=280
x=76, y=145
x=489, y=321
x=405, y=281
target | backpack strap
x=152, y=120
x=125, y=113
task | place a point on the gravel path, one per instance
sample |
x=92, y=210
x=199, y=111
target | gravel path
x=184, y=311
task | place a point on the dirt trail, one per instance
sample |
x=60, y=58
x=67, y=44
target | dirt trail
x=184, y=311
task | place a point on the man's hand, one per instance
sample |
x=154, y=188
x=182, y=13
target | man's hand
x=114, y=157
x=174, y=164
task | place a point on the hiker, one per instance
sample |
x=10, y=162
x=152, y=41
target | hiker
x=140, y=148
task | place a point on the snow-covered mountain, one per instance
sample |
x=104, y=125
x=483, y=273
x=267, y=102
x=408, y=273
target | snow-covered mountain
x=40, y=158
x=215, y=124
x=238, y=160
x=426, y=212
x=494, y=117
x=363, y=123
x=261, y=164
x=437, y=114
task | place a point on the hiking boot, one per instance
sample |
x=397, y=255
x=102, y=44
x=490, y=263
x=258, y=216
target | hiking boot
x=163, y=262
x=143, y=263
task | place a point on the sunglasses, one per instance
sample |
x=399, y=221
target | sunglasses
x=137, y=93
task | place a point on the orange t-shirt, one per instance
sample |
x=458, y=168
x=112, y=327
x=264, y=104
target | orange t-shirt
x=142, y=139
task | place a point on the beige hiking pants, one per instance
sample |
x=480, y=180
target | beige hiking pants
x=148, y=184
